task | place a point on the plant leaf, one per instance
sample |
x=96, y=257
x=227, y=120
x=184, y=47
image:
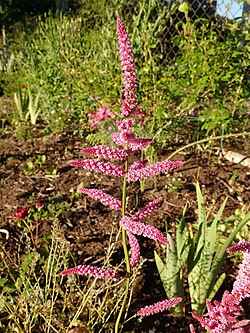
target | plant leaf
x=216, y=286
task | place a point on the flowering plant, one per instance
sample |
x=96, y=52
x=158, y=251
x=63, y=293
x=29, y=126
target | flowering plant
x=126, y=146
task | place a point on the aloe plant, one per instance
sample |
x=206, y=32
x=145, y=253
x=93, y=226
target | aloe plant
x=170, y=271
x=200, y=253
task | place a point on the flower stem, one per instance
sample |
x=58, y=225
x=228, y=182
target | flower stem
x=126, y=254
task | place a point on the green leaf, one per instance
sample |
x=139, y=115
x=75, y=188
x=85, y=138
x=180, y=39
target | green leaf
x=212, y=233
x=202, y=220
x=170, y=271
x=216, y=286
x=181, y=233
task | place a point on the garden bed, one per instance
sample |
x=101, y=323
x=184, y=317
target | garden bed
x=87, y=224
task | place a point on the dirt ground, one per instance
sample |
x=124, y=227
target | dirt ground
x=87, y=222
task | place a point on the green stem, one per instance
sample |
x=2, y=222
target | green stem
x=125, y=249
x=206, y=140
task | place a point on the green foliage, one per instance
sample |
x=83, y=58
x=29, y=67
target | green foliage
x=73, y=60
x=211, y=74
x=201, y=253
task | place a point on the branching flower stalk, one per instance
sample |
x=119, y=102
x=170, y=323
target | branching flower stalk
x=127, y=144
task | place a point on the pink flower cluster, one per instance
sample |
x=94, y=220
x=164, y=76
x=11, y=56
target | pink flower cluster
x=142, y=229
x=106, y=152
x=152, y=170
x=99, y=166
x=105, y=198
x=126, y=138
x=222, y=316
x=102, y=113
x=148, y=209
x=93, y=271
x=133, y=226
x=158, y=307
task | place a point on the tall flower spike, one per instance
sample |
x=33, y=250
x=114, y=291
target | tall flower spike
x=158, y=307
x=106, y=152
x=105, y=198
x=152, y=170
x=92, y=271
x=97, y=166
x=129, y=76
x=139, y=228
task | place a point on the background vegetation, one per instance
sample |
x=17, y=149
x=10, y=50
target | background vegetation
x=191, y=69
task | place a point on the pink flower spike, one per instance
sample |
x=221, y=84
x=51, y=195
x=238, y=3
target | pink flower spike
x=139, y=144
x=242, y=246
x=97, y=166
x=93, y=271
x=105, y=198
x=106, y=152
x=158, y=307
x=139, y=228
x=135, y=249
x=129, y=77
x=148, y=209
x=152, y=170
